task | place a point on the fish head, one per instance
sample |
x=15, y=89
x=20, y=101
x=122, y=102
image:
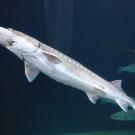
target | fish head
x=6, y=36
x=16, y=42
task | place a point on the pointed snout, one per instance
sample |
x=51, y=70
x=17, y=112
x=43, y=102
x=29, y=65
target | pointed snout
x=5, y=35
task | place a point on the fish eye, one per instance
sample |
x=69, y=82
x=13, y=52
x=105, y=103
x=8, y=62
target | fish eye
x=11, y=43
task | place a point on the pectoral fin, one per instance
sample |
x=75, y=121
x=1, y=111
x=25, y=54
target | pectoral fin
x=51, y=57
x=30, y=72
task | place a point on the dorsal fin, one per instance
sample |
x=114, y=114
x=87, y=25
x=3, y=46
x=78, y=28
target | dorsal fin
x=117, y=84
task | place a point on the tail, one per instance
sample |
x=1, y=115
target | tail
x=125, y=104
x=132, y=104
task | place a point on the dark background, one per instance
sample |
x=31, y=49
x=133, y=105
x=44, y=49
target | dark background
x=47, y=107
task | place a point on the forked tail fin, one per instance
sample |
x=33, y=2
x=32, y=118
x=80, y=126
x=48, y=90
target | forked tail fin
x=132, y=104
x=124, y=104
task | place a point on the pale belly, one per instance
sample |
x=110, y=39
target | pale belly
x=59, y=72
x=79, y=80
x=66, y=76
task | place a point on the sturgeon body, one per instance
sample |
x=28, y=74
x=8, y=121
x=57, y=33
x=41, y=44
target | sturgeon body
x=39, y=57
